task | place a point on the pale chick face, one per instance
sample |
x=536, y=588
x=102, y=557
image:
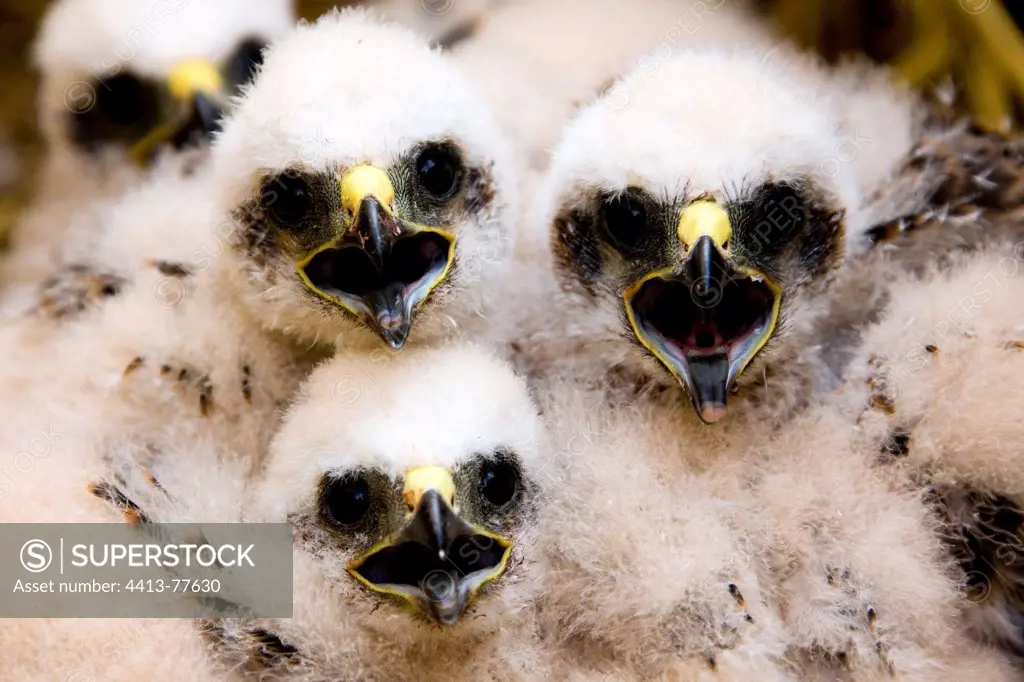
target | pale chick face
x=366, y=183
x=127, y=80
x=696, y=217
x=412, y=483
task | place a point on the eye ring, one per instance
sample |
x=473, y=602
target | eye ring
x=439, y=171
x=287, y=199
x=624, y=217
x=346, y=500
x=500, y=482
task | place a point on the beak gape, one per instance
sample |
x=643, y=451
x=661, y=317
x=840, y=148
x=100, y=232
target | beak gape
x=197, y=89
x=437, y=562
x=383, y=268
x=707, y=319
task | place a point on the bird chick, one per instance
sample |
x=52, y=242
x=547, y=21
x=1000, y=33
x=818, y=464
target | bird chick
x=757, y=550
x=415, y=533
x=417, y=522
x=330, y=212
x=926, y=369
x=129, y=90
x=363, y=199
x=704, y=235
x=930, y=383
x=139, y=75
x=702, y=242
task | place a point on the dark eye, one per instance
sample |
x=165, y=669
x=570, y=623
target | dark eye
x=244, y=62
x=778, y=219
x=783, y=207
x=439, y=171
x=126, y=100
x=625, y=220
x=499, y=482
x=120, y=108
x=347, y=499
x=287, y=198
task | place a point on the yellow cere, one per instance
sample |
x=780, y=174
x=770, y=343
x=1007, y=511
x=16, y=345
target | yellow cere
x=364, y=181
x=194, y=76
x=421, y=479
x=704, y=218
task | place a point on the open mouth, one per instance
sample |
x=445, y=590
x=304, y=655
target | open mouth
x=440, y=583
x=384, y=296
x=705, y=331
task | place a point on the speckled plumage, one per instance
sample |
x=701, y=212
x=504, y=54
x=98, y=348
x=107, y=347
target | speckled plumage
x=354, y=417
x=188, y=366
x=842, y=558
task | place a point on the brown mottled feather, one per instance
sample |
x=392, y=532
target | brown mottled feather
x=986, y=534
x=109, y=492
x=76, y=289
x=980, y=181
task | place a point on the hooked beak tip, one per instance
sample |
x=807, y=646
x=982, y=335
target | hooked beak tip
x=395, y=338
x=390, y=322
x=448, y=619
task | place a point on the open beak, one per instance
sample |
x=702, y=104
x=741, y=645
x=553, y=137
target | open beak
x=382, y=268
x=198, y=90
x=437, y=562
x=707, y=318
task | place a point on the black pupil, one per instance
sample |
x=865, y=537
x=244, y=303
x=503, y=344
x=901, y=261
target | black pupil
x=348, y=499
x=243, y=64
x=438, y=170
x=287, y=199
x=626, y=220
x=124, y=99
x=499, y=483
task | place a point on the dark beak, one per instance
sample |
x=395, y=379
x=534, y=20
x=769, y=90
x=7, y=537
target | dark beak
x=207, y=114
x=194, y=128
x=201, y=122
x=376, y=230
x=382, y=271
x=437, y=562
x=434, y=525
x=705, y=323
